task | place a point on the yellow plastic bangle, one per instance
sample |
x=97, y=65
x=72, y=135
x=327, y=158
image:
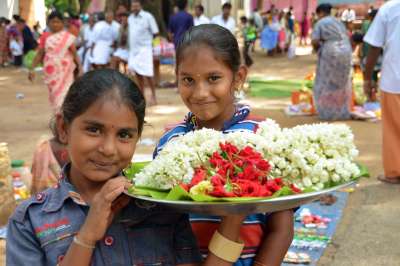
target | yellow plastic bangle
x=224, y=248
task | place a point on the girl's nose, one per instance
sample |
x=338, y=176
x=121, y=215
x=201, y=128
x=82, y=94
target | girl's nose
x=108, y=147
x=201, y=91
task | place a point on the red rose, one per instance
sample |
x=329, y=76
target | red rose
x=263, y=165
x=295, y=189
x=229, y=148
x=199, y=175
x=272, y=186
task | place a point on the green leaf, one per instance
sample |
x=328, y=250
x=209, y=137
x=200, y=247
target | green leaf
x=133, y=169
x=143, y=191
x=284, y=191
x=363, y=171
x=178, y=193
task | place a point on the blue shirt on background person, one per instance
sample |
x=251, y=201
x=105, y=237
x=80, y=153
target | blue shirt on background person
x=179, y=24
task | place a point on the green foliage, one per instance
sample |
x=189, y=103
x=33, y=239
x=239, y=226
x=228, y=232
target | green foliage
x=64, y=6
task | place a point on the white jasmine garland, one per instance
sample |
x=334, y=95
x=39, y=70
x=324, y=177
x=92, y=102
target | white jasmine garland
x=310, y=156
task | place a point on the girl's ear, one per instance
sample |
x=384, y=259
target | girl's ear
x=62, y=129
x=241, y=76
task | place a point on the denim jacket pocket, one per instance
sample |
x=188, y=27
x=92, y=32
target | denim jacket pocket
x=151, y=246
x=56, y=246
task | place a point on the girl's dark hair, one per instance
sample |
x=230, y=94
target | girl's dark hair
x=96, y=84
x=55, y=14
x=324, y=8
x=217, y=38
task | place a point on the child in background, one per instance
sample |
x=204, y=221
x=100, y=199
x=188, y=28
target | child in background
x=249, y=37
x=17, y=49
x=85, y=219
x=209, y=72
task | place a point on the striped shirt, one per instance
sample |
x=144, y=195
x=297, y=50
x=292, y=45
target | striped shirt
x=252, y=230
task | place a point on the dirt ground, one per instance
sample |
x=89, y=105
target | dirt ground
x=369, y=231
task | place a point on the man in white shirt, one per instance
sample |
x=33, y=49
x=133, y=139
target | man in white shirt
x=199, y=17
x=384, y=33
x=142, y=28
x=104, y=37
x=225, y=20
x=348, y=15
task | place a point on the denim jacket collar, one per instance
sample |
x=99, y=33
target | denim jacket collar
x=64, y=190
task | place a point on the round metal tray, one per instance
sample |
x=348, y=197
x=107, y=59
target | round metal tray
x=254, y=206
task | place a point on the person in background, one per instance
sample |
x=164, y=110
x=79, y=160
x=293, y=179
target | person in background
x=87, y=37
x=332, y=86
x=142, y=29
x=27, y=36
x=4, y=43
x=120, y=12
x=371, y=7
x=283, y=23
x=199, y=17
x=348, y=17
x=121, y=54
x=58, y=52
x=258, y=21
x=104, y=36
x=269, y=36
x=365, y=47
x=16, y=48
x=115, y=25
x=305, y=28
x=225, y=20
x=74, y=25
x=37, y=31
x=384, y=34
x=249, y=32
x=180, y=22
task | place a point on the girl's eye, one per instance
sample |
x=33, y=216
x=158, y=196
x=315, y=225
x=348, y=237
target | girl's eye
x=93, y=130
x=125, y=135
x=214, y=78
x=188, y=80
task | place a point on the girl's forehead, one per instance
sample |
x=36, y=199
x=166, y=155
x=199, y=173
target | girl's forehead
x=200, y=57
x=110, y=108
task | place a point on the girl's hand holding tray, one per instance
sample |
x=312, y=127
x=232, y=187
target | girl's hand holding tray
x=241, y=173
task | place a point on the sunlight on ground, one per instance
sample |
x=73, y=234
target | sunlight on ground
x=165, y=109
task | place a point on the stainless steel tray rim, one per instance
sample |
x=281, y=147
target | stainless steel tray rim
x=230, y=203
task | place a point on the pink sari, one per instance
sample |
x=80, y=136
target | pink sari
x=58, y=67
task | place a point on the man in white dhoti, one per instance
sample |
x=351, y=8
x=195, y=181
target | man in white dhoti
x=104, y=37
x=142, y=29
x=87, y=41
x=121, y=54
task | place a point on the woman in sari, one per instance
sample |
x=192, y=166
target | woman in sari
x=58, y=53
x=332, y=87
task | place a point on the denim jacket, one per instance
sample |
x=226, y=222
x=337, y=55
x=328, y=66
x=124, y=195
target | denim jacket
x=42, y=228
